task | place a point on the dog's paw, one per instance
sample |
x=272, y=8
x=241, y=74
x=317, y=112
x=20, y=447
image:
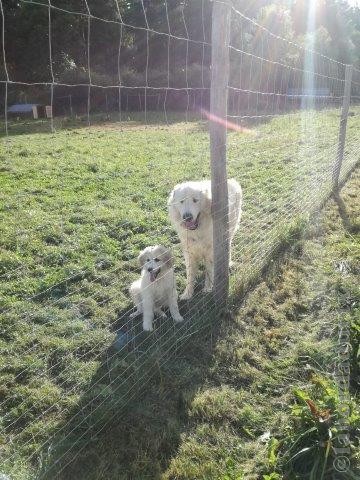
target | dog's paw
x=178, y=319
x=147, y=327
x=186, y=295
x=208, y=289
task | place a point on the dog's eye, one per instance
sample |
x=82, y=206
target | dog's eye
x=195, y=200
x=182, y=201
x=156, y=260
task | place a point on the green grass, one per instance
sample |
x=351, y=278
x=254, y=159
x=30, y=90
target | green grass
x=76, y=207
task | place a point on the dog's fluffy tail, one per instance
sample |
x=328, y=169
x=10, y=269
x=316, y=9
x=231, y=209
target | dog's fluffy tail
x=134, y=291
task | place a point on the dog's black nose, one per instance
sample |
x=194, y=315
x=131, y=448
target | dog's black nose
x=150, y=269
x=187, y=216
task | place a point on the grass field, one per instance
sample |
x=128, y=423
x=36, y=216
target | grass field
x=76, y=207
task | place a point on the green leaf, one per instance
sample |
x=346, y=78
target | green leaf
x=301, y=394
x=326, y=456
x=314, y=470
x=272, y=476
x=272, y=449
x=300, y=453
x=300, y=437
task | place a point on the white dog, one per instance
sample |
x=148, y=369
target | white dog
x=156, y=287
x=190, y=213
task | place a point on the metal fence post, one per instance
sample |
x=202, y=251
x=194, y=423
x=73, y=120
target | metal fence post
x=342, y=129
x=218, y=114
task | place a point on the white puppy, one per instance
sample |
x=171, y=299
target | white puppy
x=190, y=213
x=156, y=287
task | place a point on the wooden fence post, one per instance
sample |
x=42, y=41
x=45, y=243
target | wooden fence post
x=342, y=129
x=218, y=115
x=70, y=104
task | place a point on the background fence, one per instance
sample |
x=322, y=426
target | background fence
x=280, y=124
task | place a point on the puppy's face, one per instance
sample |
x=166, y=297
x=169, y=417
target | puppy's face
x=155, y=261
x=190, y=203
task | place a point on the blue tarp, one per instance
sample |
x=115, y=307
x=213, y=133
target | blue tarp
x=22, y=107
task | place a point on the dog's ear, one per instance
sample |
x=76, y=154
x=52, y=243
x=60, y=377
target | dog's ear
x=142, y=258
x=167, y=257
x=171, y=196
x=172, y=208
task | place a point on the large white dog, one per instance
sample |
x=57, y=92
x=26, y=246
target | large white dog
x=190, y=213
x=156, y=287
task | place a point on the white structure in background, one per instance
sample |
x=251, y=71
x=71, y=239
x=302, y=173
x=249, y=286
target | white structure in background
x=35, y=110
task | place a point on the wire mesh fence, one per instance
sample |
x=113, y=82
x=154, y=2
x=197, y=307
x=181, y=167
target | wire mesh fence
x=73, y=357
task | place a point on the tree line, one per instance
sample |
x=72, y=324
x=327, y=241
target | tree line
x=118, y=53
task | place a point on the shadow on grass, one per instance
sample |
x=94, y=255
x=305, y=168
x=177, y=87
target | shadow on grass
x=349, y=225
x=129, y=421
x=128, y=424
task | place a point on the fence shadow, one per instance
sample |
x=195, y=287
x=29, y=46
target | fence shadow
x=128, y=424
x=130, y=419
x=349, y=225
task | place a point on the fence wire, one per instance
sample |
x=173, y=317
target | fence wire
x=59, y=334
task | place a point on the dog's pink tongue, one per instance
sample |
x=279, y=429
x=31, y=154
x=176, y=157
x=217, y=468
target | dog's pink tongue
x=152, y=276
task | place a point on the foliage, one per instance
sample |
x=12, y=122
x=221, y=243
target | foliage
x=27, y=52
x=308, y=449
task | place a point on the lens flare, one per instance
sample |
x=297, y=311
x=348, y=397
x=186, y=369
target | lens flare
x=228, y=124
